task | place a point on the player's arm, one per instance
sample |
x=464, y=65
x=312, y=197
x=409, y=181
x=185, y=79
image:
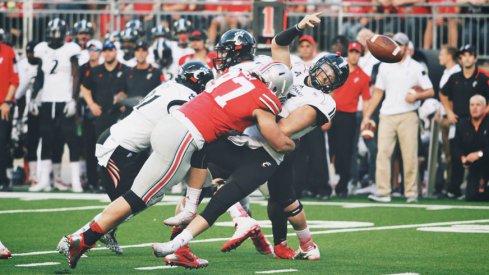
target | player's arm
x=271, y=132
x=298, y=120
x=281, y=42
x=38, y=81
x=87, y=96
x=374, y=102
x=75, y=73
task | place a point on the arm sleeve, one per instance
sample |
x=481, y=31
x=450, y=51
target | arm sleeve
x=424, y=80
x=365, y=89
x=88, y=80
x=14, y=75
x=379, y=82
x=24, y=80
x=38, y=82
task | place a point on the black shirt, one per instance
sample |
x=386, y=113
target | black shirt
x=84, y=71
x=141, y=82
x=468, y=140
x=459, y=90
x=105, y=84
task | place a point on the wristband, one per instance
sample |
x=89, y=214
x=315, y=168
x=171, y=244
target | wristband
x=286, y=37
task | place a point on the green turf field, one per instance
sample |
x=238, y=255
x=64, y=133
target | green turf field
x=385, y=241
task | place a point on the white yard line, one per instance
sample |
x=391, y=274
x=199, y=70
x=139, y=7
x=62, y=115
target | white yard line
x=394, y=227
x=155, y=267
x=38, y=264
x=45, y=210
x=276, y=271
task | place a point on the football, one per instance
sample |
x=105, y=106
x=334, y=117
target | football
x=384, y=48
x=368, y=131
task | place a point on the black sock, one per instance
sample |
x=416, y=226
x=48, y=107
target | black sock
x=279, y=222
x=93, y=234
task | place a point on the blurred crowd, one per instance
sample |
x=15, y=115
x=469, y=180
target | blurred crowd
x=378, y=143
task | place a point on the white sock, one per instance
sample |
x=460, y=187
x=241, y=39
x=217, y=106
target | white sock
x=181, y=239
x=304, y=236
x=46, y=168
x=192, y=199
x=33, y=171
x=237, y=211
x=87, y=226
x=75, y=175
x=57, y=172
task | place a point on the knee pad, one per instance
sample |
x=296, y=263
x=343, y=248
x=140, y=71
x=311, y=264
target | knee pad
x=294, y=211
x=136, y=203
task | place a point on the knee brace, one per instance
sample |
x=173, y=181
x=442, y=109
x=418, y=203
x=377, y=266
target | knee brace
x=294, y=211
x=136, y=203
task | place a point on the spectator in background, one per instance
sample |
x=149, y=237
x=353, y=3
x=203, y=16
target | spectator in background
x=342, y=131
x=441, y=20
x=181, y=31
x=234, y=16
x=9, y=81
x=358, y=20
x=475, y=25
x=197, y=43
x=413, y=18
x=455, y=96
x=307, y=51
x=143, y=77
x=339, y=44
x=472, y=148
x=398, y=119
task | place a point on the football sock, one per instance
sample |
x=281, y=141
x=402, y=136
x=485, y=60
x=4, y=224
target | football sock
x=175, y=231
x=46, y=168
x=279, y=223
x=86, y=226
x=237, y=211
x=93, y=234
x=304, y=238
x=57, y=171
x=75, y=175
x=182, y=239
x=33, y=171
x=192, y=199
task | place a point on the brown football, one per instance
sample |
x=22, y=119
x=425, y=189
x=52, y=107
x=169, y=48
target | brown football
x=368, y=131
x=384, y=48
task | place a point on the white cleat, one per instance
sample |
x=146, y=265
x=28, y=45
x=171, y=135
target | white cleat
x=161, y=250
x=182, y=218
x=39, y=187
x=311, y=254
x=246, y=227
x=4, y=252
x=63, y=246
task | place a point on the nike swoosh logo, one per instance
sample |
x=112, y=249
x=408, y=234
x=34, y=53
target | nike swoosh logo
x=190, y=259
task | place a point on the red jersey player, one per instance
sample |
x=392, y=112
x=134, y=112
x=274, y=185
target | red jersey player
x=234, y=102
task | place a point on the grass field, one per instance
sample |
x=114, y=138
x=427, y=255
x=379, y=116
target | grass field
x=387, y=239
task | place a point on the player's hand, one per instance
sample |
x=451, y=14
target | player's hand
x=95, y=109
x=70, y=108
x=34, y=107
x=452, y=117
x=309, y=21
x=5, y=111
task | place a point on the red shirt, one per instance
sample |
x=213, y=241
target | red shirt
x=228, y=104
x=356, y=85
x=189, y=57
x=445, y=9
x=8, y=71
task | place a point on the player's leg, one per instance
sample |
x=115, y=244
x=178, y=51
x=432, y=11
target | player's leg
x=68, y=127
x=47, y=126
x=33, y=138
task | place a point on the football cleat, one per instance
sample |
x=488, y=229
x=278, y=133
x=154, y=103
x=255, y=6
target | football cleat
x=182, y=218
x=311, y=253
x=76, y=247
x=282, y=251
x=161, y=250
x=111, y=242
x=261, y=243
x=4, y=252
x=184, y=257
x=245, y=228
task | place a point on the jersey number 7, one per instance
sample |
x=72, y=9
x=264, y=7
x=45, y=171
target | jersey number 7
x=227, y=87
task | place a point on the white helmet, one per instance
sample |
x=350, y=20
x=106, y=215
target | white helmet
x=277, y=76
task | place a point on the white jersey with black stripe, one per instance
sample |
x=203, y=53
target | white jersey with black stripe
x=134, y=132
x=299, y=95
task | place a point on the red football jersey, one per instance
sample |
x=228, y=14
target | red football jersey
x=228, y=104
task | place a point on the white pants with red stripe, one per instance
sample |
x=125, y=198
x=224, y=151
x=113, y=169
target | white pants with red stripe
x=173, y=146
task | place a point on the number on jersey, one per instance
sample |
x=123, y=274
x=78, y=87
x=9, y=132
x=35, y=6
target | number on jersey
x=245, y=86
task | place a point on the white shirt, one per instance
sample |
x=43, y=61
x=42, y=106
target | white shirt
x=367, y=63
x=396, y=79
x=447, y=73
x=177, y=52
x=56, y=65
x=134, y=132
x=27, y=75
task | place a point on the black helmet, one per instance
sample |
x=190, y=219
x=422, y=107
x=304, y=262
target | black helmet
x=83, y=26
x=194, y=75
x=234, y=47
x=329, y=64
x=129, y=35
x=162, y=53
x=112, y=36
x=181, y=26
x=160, y=32
x=136, y=25
x=56, y=32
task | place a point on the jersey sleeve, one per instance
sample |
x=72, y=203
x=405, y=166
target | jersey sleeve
x=423, y=79
x=326, y=105
x=365, y=88
x=75, y=50
x=379, y=82
x=38, y=49
x=268, y=101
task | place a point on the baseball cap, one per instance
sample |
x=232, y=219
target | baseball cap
x=401, y=38
x=307, y=38
x=354, y=46
x=94, y=45
x=108, y=46
x=197, y=36
x=467, y=48
x=142, y=45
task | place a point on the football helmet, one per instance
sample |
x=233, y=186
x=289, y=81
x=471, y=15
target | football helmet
x=162, y=53
x=83, y=26
x=112, y=37
x=181, y=26
x=160, y=32
x=56, y=32
x=234, y=47
x=194, y=75
x=136, y=25
x=329, y=73
x=276, y=76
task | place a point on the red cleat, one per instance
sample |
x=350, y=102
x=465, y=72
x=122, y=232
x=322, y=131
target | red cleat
x=282, y=251
x=184, y=257
x=73, y=247
x=4, y=252
x=245, y=228
x=261, y=243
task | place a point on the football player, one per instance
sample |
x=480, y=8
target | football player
x=83, y=31
x=308, y=106
x=59, y=80
x=233, y=102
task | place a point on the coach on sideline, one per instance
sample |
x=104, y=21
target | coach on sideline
x=398, y=119
x=471, y=146
x=9, y=80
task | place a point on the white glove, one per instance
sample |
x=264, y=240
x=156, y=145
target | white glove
x=34, y=107
x=245, y=141
x=70, y=108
